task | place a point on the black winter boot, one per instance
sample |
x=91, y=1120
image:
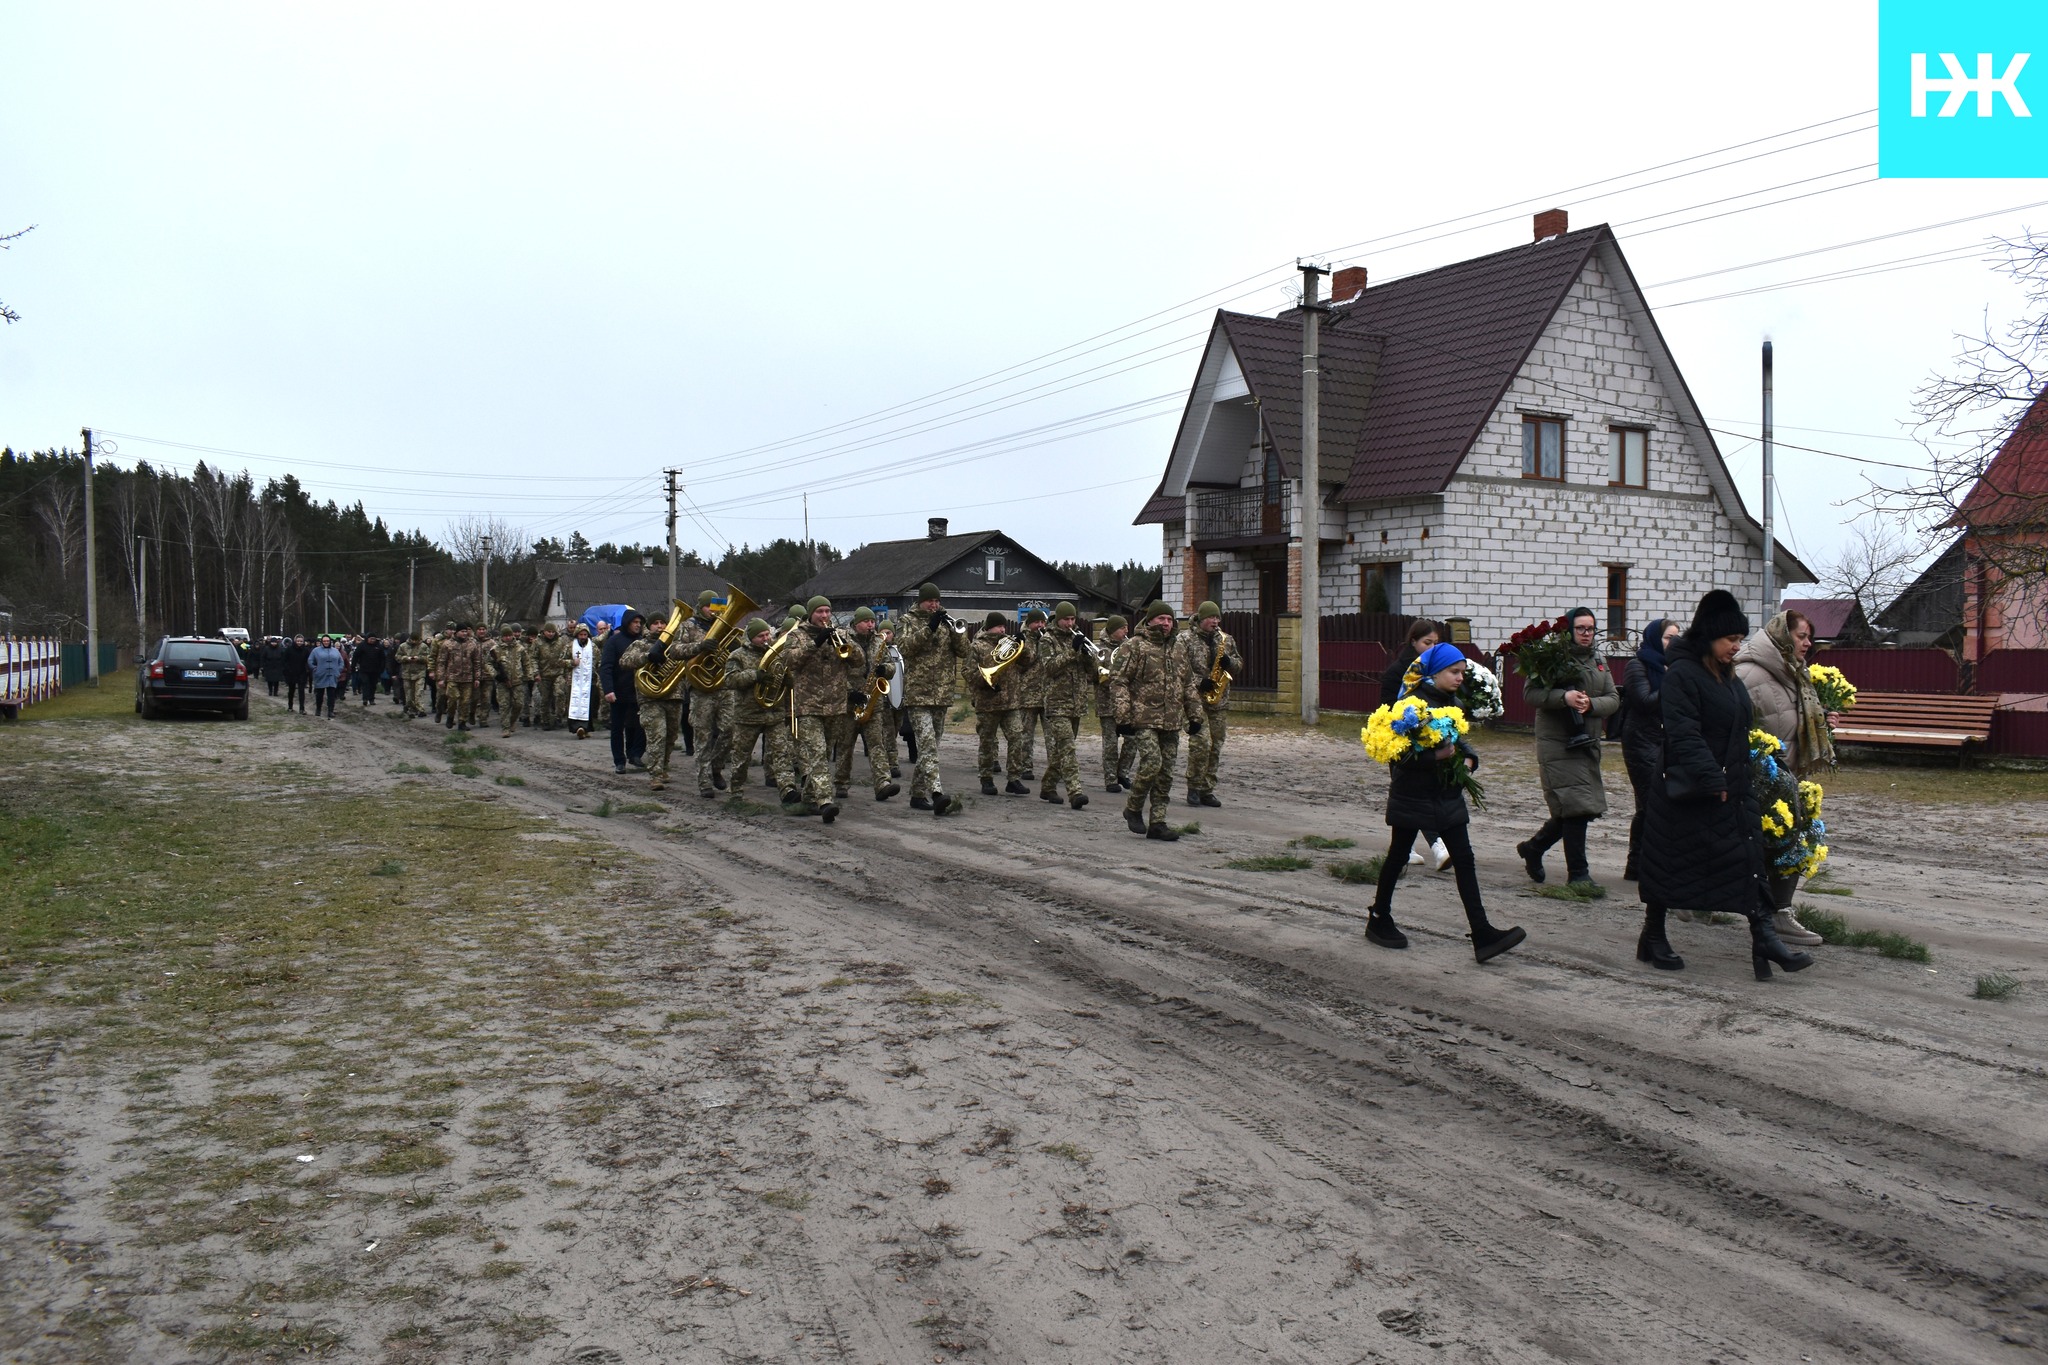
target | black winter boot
x=988, y=786
x=920, y=803
x=1162, y=831
x=1381, y=930
x=1765, y=947
x=1489, y=943
x=1652, y=946
x=1134, y=820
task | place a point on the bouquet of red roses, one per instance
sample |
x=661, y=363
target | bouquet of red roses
x=1544, y=655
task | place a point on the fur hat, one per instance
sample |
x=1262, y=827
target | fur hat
x=1207, y=609
x=994, y=619
x=927, y=592
x=1064, y=611
x=863, y=614
x=1717, y=616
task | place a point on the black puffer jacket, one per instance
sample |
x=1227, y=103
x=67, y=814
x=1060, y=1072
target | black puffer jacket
x=1703, y=854
x=271, y=658
x=1419, y=791
x=1642, y=730
x=1396, y=672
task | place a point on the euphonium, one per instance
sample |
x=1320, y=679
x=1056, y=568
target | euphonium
x=1007, y=653
x=772, y=685
x=660, y=681
x=707, y=671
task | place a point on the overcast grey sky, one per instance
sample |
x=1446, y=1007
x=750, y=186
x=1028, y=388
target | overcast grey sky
x=516, y=259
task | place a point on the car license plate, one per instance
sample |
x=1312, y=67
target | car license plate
x=200, y=673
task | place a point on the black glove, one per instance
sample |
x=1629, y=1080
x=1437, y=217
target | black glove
x=1230, y=668
x=856, y=699
x=657, y=652
x=937, y=622
x=1127, y=730
x=885, y=671
x=820, y=634
x=1194, y=727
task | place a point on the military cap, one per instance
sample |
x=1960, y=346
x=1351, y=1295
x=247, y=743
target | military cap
x=706, y=598
x=815, y=603
x=1064, y=611
x=863, y=614
x=755, y=625
x=1207, y=609
x=995, y=618
x=927, y=592
x=1115, y=623
x=1158, y=609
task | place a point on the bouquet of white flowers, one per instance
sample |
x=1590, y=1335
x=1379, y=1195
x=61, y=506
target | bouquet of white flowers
x=1479, y=698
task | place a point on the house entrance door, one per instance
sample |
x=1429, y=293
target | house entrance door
x=1272, y=588
x=1269, y=498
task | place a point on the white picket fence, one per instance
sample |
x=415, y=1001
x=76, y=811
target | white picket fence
x=31, y=670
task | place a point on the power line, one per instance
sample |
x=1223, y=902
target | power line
x=1947, y=256
x=1861, y=241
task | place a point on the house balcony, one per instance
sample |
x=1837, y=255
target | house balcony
x=1233, y=518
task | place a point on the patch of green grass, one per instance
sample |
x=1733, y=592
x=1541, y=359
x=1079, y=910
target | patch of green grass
x=270, y=1341
x=406, y=1154
x=484, y=753
x=1192, y=827
x=1812, y=890
x=1364, y=873
x=1322, y=841
x=604, y=809
x=465, y=770
x=1995, y=986
x=509, y=780
x=1835, y=930
x=1067, y=1151
x=409, y=768
x=691, y=1016
x=1574, y=892
x=938, y=999
x=503, y=1270
x=796, y=1201
x=740, y=805
x=1271, y=862
x=390, y=867
x=640, y=808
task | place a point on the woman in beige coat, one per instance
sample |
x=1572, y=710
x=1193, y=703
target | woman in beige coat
x=1772, y=665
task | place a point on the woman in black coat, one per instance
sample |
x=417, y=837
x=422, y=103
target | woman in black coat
x=298, y=673
x=1702, y=827
x=271, y=661
x=1422, y=794
x=1642, y=724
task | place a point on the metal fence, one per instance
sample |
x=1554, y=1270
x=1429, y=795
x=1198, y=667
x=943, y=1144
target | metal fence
x=1351, y=672
x=1895, y=670
x=1258, y=640
x=74, y=661
x=31, y=670
x=2012, y=670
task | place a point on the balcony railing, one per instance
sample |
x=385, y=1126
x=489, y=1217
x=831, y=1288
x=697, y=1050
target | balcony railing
x=1237, y=513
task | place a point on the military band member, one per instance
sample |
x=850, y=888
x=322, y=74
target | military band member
x=412, y=656
x=1207, y=644
x=754, y=723
x=710, y=711
x=552, y=662
x=998, y=710
x=1031, y=700
x=822, y=702
x=465, y=665
x=1116, y=761
x=1069, y=679
x=1155, y=696
x=863, y=672
x=932, y=653
x=509, y=669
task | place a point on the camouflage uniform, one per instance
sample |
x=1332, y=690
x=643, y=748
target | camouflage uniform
x=1067, y=677
x=660, y=718
x=1031, y=703
x=437, y=672
x=997, y=711
x=1116, y=763
x=1205, y=750
x=511, y=669
x=932, y=652
x=880, y=731
x=818, y=678
x=412, y=672
x=553, y=661
x=752, y=723
x=710, y=712
x=464, y=665
x=1155, y=694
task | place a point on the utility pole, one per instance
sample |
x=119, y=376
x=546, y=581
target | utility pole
x=670, y=474
x=810, y=551
x=326, y=601
x=1770, y=597
x=141, y=593
x=363, y=606
x=1310, y=500
x=412, y=619
x=484, y=617
x=92, y=603
x=387, y=613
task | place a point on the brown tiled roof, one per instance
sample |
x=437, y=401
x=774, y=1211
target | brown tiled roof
x=1268, y=350
x=1454, y=339
x=1831, y=616
x=1159, y=508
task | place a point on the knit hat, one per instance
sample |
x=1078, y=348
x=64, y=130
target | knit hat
x=1064, y=611
x=795, y=609
x=815, y=603
x=706, y=598
x=1437, y=658
x=1207, y=609
x=863, y=614
x=1033, y=615
x=927, y=592
x=755, y=625
x=1158, y=609
x=995, y=618
x=1114, y=624
x=1718, y=615
x=509, y=629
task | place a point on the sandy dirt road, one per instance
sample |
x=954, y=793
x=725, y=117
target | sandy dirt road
x=1019, y=1086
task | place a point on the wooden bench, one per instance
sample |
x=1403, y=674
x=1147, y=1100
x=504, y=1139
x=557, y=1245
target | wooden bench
x=1917, y=720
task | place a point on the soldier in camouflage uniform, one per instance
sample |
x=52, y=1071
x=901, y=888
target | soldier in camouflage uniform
x=437, y=671
x=660, y=717
x=510, y=668
x=1031, y=701
x=412, y=672
x=753, y=723
x=552, y=660
x=463, y=665
x=997, y=710
x=710, y=712
x=932, y=651
x=1205, y=643
x=863, y=672
x=1155, y=695
x=1069, y=678
x=822, y=701
x=1116, y=763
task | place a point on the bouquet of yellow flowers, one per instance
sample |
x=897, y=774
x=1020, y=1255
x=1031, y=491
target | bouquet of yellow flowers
x=1793, y=829
x=1411, y=731
x=1837, y=693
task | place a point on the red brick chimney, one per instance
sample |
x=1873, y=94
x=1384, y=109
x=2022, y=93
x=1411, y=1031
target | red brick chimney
x=1552, y=223
x=1347, y=284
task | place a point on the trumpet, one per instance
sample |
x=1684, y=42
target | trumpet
x=947, y=620
x=659, y=682
x=1103, y=659
x=1008, y=652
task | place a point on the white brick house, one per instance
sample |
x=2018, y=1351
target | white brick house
x=1501, y=439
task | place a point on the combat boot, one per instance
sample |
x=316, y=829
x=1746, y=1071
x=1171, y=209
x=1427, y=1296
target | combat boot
x=1134, y=820
x=1015, y=787
x=988, y=786
x=1049, y=793
x=943, y=804
x=829, y=811
x=1209, y=799
x=1162, y=831
x=920, y=803
x=886, y=790
x=1077, y=799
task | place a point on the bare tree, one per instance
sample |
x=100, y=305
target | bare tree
x=6, y=243
x=464, y=541
x=1874, y=567
x=58, y=509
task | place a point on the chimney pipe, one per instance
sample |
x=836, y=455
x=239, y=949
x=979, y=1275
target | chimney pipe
x=1552, y=223
x=1347, y=284
x=935, y=528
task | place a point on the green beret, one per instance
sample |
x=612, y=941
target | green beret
x=1158, y=609
x=815, y=603
x=927, y=592
x=706, y=598
x=1115, y=623
x=755, y=625
x=994, y=619
x=1033, y=615
x=1207, y=609
x=1064, y=611
x=863, y=614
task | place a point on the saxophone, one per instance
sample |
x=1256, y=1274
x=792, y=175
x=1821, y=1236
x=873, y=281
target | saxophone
x=659, y=682
x=1217, y=686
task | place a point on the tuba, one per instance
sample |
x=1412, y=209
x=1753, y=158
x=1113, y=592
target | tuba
x=706, y=672
x=1216, y=686
x=659, y=682
x=1007, y=653
x=773, y=684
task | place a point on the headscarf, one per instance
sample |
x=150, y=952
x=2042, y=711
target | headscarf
x=1651, y=653
x=1816, y=744
x=1429, y=663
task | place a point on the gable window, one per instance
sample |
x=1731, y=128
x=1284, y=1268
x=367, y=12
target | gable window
x=1617, y=601
x=1379, y=587
x=1628, y=464
x=995, y=568
x=1543, y=448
